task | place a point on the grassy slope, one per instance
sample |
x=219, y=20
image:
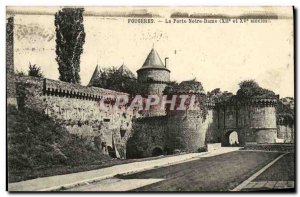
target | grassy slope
x=37, y=146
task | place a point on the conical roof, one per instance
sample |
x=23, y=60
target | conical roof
x=153, y=61
x=95, y=76
x=126, y=71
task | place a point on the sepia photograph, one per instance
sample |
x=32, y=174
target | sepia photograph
x=150, y=99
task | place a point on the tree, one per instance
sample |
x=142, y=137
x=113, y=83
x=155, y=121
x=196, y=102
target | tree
x=248, y=84
x=251, y=89
x=20, y=73
x=115, y=79
x=35, y=71
x=70, y=37
x=101, y=81
x=217, y=95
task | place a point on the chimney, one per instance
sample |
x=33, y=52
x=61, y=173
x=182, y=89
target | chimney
x=166, y=62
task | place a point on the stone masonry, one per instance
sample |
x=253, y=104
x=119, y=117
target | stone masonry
x=77, y=108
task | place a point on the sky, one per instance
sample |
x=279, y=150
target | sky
x=218, y=55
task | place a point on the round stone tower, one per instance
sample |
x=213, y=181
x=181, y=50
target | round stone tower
x=154, y=74
x=263, y=120
x=188, y=127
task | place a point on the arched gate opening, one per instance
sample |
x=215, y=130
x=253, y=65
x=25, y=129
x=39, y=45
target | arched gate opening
x=231, y=138
x=157, y=151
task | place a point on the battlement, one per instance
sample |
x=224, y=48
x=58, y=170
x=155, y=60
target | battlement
x=266, y=102
x=64, y=89
x=255, y=102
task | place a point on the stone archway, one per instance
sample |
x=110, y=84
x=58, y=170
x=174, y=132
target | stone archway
x=231, y=138
x=157, y=151
x=111, y=152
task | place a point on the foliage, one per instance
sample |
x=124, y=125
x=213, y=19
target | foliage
x=217, y=96
x=285, y=112
x=190, y=86
x=36, y=141
x=70, y=37
x=135, y=146
x=250, y=89
x=115, y=79
x=202, y=99
x=35, y=71
x=20, y=73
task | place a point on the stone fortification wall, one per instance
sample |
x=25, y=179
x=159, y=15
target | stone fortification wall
x=285, y=130
x=185, y=131
x=286, y=133
x=156, y=88
x=254, y=121
x=77, y=108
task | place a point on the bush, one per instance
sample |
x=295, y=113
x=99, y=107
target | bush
x=35, y=71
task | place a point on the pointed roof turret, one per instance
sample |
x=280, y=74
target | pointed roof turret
x=95, y=76
x=153, y=61
x=126, y=71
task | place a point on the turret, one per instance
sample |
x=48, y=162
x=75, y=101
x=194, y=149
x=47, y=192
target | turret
x=189, y=126
x=95, y=77
x=154, y=73
x=263, y=119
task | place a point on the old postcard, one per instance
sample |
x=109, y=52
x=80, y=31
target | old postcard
x=150, y=99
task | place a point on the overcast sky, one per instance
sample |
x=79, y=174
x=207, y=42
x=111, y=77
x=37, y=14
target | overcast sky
x=218, y=55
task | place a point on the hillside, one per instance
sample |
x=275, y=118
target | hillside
x=37, y=143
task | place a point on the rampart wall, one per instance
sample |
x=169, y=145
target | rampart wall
x=285, y=131
x=77, y=108
x=185, y=131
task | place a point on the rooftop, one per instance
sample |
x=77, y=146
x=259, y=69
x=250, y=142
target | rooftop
x=126, y=71
x=95, y=76
x=153, y=61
